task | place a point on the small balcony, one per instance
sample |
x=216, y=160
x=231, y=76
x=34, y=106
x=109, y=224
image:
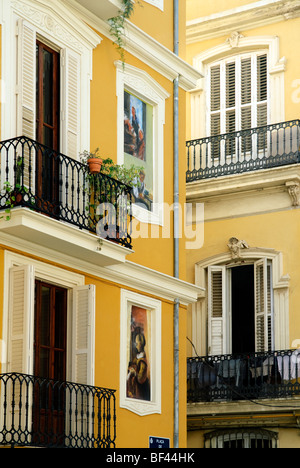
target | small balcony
x=36, y=177
x=243, y=151
x=250, y=376
x=38, y=412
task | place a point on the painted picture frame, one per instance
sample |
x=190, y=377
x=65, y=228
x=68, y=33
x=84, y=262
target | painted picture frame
x=140, y=354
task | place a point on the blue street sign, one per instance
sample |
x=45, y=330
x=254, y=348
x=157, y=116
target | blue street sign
x=159, y=442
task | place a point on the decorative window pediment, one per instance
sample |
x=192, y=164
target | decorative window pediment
x=141, y=108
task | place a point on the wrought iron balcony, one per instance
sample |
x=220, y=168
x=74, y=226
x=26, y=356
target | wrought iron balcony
x=243, y=151
x=38, y=412
x=244, y=377
x=43, y=180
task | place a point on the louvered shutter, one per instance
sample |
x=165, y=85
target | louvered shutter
x=263, y=306
x=26, y=79
x=81, y=403
x=18, y=396
x=83, y=342
x=215, y=107
x=217, y=310
x=246, y=102
x=262, y=98
x=70, y=102
x=21, y=319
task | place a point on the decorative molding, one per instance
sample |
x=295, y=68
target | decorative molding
x=235, y=246
x=262, y=191
x=234, y=39
x=294, y=192
x=57, y=22
x=280, y=287
x=246, y=17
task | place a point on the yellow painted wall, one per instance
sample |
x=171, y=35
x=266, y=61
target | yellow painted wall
x=150, y=251
x=158, y=24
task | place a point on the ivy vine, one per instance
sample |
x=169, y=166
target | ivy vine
x=117, y=25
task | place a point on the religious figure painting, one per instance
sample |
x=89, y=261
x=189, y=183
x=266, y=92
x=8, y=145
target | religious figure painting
x=138, y=146
x=135, y=126
x=138, y=354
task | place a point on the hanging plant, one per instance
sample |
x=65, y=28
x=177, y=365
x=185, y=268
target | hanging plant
x=117, y=25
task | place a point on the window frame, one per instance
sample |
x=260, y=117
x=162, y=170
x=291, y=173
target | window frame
x=74, y=283
x=137, y=406
x=277, y=67
x=237, y=108
x=280, y=284
x=142, y=85
x=222, y=324
x=216, y=439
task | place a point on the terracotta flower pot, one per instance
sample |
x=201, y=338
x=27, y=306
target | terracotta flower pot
x=94, y=165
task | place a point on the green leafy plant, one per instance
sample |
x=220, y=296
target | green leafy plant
x=111, y=190
x=117, y=25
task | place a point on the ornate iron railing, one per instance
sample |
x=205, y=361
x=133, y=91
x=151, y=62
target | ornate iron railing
x=39, y=178
x=243, y=151
x=39, y=412
x=244, y=377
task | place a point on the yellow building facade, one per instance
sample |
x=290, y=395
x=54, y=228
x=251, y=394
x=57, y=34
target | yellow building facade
x=243, y=168
x=87, y=290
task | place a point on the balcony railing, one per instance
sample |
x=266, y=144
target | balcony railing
x=38, y=412
x=243, y=151
x=244, y=377
x=43, y=180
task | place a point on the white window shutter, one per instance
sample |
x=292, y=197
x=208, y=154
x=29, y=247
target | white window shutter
x=26, y=79
x=217, y=310
x=71, y=74
x=263, y=306
x=21, y=319
x=83, y=340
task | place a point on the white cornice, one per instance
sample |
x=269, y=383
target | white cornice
x=40, y=236
x=249, y=16
x=145, y=48
x=213, y=189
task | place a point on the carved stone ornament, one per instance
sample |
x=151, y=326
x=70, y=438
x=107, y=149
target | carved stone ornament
x=294, y=192
x=235, y=246
x=234, y=39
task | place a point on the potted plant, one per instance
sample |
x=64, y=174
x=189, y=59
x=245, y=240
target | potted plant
x=93, y=160
x=110, y=190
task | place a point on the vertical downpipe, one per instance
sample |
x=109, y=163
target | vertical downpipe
x=176, y=230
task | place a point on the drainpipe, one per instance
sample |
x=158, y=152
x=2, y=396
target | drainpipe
x=176, y=230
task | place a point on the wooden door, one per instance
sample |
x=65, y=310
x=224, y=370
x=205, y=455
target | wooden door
x=50, y=342
x=47, y=127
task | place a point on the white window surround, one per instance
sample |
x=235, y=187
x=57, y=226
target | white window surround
x=143, y=86
x=57, y=26
x=142, y=408
x=53, y=275
x=280, y=290
x=238, y=44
